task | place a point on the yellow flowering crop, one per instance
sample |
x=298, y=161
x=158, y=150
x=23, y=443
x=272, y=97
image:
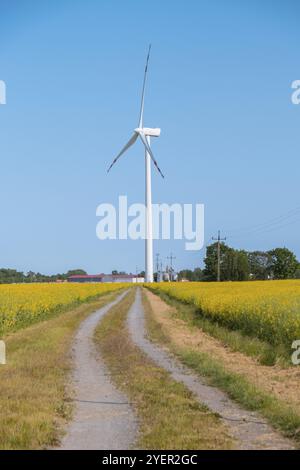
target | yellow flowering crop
x=269, y=310
x=23, y=304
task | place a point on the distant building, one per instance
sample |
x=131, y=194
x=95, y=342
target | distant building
x=122, y=278
x=105, y=278
x=86, y=278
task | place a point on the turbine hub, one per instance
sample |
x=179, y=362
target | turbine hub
x=152, y=132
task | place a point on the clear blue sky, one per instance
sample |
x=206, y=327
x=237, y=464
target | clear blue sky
x=219, y=87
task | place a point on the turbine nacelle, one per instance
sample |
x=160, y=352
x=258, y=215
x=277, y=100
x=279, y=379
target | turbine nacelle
x=142, y=133
x=152, y=132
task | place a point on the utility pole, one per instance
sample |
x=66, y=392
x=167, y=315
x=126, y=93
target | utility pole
x=171, y=257
x=219, y=239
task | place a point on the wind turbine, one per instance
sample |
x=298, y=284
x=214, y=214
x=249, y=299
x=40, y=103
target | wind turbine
x=145, y=134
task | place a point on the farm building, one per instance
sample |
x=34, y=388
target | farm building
x=105, y=278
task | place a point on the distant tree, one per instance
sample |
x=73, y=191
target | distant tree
x=186, y=274
x=74, y=272
x=234, y=264
x=31, y=275
x=8, y=276
x=228, y=265
x=243, y=269
x=297, y=273
x=211, y=262
x=284, y=263
x=189, y=275
x=259, y=264
x=197, y=274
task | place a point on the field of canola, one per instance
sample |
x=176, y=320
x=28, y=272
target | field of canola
x=269, y=310
x=23, y=304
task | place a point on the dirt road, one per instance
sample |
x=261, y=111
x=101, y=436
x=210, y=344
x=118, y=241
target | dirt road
x=103, y=419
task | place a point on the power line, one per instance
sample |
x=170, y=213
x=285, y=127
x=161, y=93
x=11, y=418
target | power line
x=219, y=239
x=274, y=223
x=268, y=230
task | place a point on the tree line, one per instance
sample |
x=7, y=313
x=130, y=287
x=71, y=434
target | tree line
x=241, y=265
x=9, y=276
x=235, y=265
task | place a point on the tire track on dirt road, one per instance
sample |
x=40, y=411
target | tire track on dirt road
x=103, y=419
x=247, y=428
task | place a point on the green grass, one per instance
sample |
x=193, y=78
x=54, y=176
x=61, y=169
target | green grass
x=168, y=414
x=248, y=395
x=236, y=340
x=280, y=415
x=34, y=397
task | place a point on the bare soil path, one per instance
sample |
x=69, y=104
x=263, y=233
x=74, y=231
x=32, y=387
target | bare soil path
x=103, y=419
x=247, y=428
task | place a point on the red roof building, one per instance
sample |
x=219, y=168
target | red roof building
x=105, y=278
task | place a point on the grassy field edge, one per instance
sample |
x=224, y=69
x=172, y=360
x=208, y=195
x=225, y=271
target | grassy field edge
x=280, y=415
x=35, y=396
x=236, y=340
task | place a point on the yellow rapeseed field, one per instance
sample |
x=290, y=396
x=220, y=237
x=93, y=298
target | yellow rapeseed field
x=269, y=310
x=23, y=304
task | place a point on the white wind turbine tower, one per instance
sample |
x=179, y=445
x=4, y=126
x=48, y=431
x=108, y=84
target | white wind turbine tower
x=145, y=133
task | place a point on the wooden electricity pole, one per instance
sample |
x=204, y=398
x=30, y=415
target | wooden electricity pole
x=218, y=240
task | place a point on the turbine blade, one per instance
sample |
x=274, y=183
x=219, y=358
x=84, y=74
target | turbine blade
x=129, y=144
x=147, y=147
x=143, y=92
